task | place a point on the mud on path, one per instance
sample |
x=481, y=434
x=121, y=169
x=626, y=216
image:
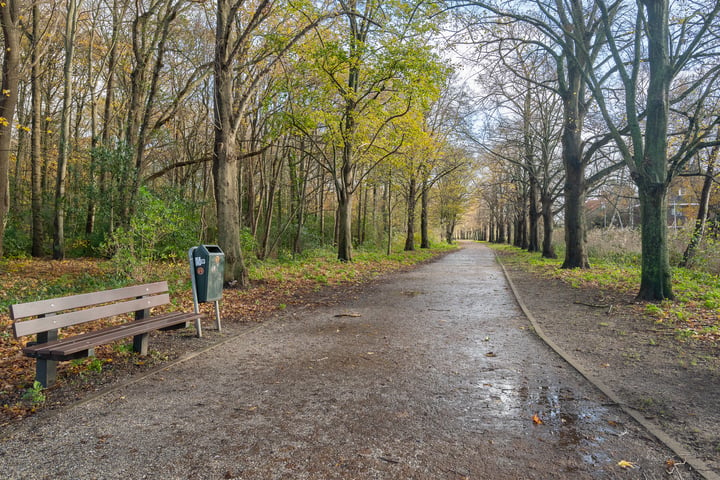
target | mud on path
x=431, y=374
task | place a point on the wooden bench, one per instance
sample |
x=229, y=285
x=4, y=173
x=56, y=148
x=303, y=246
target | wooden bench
x=46, y=317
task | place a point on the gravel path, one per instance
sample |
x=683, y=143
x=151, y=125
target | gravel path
x=431, y=374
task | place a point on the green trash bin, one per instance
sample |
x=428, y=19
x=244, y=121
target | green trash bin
x=209, y=270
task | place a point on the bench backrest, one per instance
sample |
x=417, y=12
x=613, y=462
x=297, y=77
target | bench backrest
x=64, y=311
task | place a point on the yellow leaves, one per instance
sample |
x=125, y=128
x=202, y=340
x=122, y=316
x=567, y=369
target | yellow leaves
x=5, y=91
x=23, y=128
x=537, y=420
x=626, y=465
x=4, y=122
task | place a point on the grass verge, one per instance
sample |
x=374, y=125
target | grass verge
x=695, y=313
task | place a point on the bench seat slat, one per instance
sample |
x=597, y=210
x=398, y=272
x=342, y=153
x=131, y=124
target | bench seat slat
x=131, y=327
x=78, y=343
x=43, y=324
x=42, y=307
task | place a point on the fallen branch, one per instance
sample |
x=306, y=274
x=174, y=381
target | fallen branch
x=593, y=305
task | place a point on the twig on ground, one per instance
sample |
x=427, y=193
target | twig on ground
x=593, y=305
x=389, y=460
x=671, y=467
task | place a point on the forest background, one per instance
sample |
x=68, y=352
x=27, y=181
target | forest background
x=133, y=130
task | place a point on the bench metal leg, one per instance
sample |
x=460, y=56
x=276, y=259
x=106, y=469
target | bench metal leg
x=140, y=343
x=46, y=372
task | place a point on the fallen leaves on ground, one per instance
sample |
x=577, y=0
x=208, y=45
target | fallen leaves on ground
x=275, y=287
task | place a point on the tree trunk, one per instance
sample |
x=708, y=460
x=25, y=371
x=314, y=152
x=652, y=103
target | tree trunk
x=517, y=230
x=344, y=225
x=388, y=214
x=410, y=237
x=250, y=207
x=547, y=214
x=321, y=207
x=225, y=170
x=533, y=238
x=450, y=229
x=424, y=214
x=703, y=207
x=36, y=140
x=344, y=184
x=225, y=160
x=575, y=251
x=501, y=230
x=298, y=186
x=10, y=72
x=651, y=174
x=363, y=230
x=64, y=143
x=655, y=280
x=572, y=154
x=111, y=69
x=344, y=178
x=271, y=194
x=361, y=198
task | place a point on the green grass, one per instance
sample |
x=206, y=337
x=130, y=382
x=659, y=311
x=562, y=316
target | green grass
x=695, y=312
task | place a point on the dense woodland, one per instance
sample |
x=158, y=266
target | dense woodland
x=137, y=129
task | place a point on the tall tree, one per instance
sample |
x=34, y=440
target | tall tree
x=672, y=48
x=10, y=18
x=36, y=136
x=257, y=33
x=64, y=143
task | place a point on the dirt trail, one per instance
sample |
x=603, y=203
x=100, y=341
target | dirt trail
x=431, y=374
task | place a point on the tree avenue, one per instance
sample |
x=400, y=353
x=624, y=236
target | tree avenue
x=656, y=57
x=134, y=130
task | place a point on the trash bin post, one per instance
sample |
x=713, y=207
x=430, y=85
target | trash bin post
x=198, y=323
x=217, y=316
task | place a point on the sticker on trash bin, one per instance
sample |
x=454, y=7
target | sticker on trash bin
x=199, y=261
x=200, y=270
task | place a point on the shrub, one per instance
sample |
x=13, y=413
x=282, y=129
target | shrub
x=161, y=229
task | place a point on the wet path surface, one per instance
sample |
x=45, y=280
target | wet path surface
x=431, y=374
